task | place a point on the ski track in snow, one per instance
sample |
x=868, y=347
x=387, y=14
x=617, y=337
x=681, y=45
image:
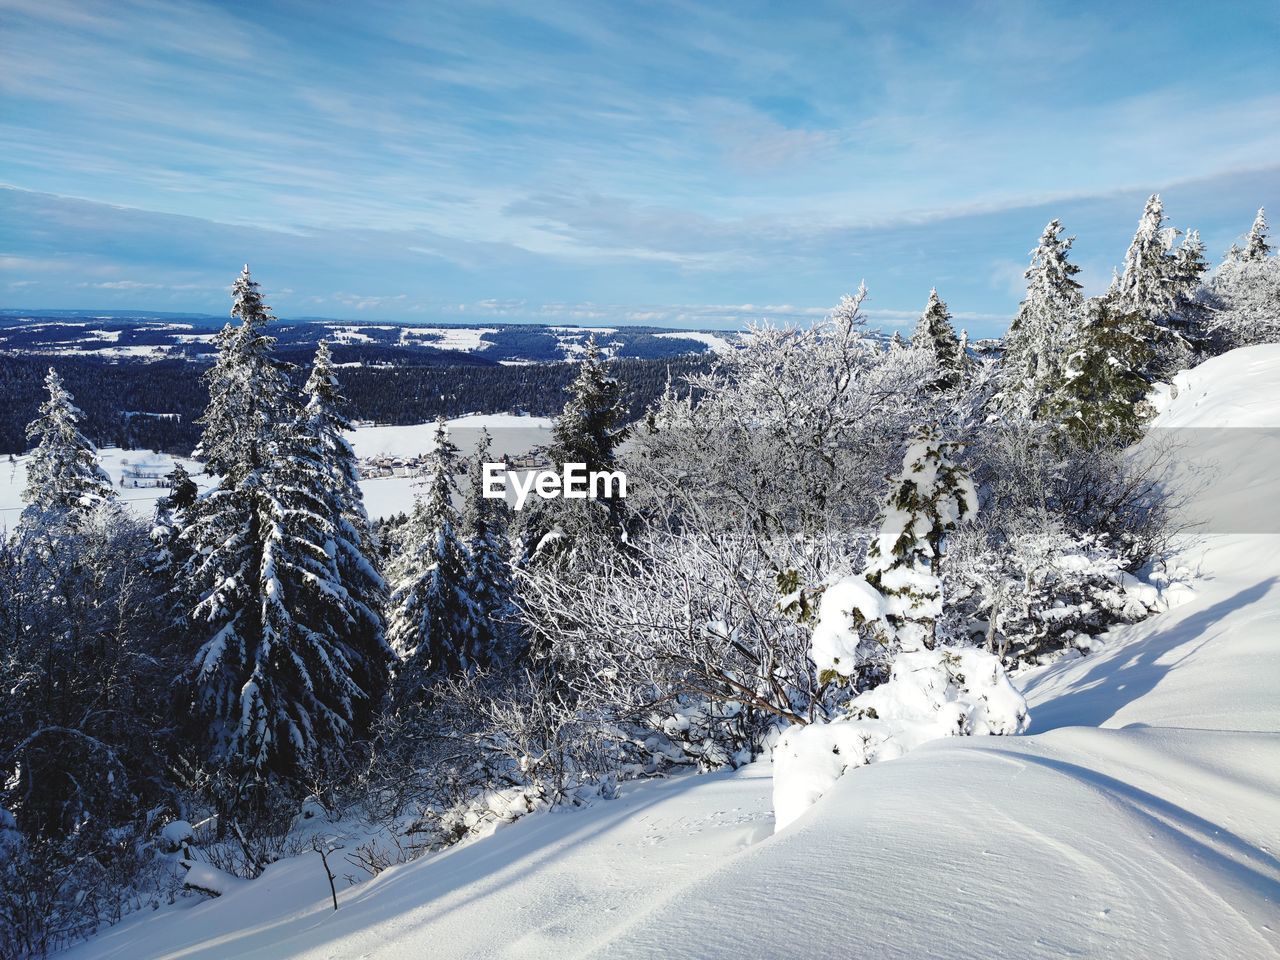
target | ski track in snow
x=1138, y=819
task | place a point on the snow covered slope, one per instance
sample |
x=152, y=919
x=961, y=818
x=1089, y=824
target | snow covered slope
x=1140, y=819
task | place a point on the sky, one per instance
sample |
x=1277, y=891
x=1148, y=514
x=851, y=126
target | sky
x=674, y=164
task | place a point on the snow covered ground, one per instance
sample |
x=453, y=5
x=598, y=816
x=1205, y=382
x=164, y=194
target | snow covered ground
x=117, y=463
x=466, y=339
x=383, y=496
x=511, y=434
x=716, y=344
x=1140, y=818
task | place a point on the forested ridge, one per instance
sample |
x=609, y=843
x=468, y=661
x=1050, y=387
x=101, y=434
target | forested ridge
x=119, y=398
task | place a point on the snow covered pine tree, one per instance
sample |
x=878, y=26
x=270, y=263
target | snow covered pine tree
x=1039, y=337
x=1245, y=292
x=930, y=691
x=484, y=523
x=588, y=431
x=936, y=337
x=1106, y=376
x=290, y=660
x=436, y=625
x=1156, y=286
x=63, y=475
x=927, y=500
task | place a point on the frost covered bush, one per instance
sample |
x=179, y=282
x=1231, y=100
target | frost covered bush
x=930, y=694
x=683, y=645
x=1035, y=592
x=1050, y=561
x=793, y=431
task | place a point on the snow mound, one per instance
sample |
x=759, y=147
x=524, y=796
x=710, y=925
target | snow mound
x=930, y=694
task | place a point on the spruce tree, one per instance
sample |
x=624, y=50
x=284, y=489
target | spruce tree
x=1256, y=247
x=1106, y=377
x=485, y=525
x=1190, y=319
x=248, y=390
x=1040, y=335
x=927, y=500
x=63, y=474
x=288, y=663
x=592, y=424
x=936, y=337
x=588, y=431
x=435, y=623
x=1143, y=286
x=1244, y=293
x=172, y=514
x=1157, y=285
x=323, y=431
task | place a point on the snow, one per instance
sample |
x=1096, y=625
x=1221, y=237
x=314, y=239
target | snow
x=834, y=645
x=714, y=343
x=511, y=434
x=141, y=501
x=467, y=339
x=1137, y=819
x=176, y=833
x=384, y=496
x=930, y=694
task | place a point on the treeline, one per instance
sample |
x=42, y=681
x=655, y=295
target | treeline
x=120, y=400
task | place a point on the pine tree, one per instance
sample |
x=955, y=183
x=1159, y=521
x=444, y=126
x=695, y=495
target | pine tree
x=1142, y=286
x=248, y=390
x=1190, y=318
x=588, y=431
x=1106, y=376
x=927, y=500
x=1156, y=285
x=288, y=665
x=172, y=513
x=489, y=571
x=1040, y=335
x=591, y=426
x=935, y=336
x=324, y=426
x=1244, y=293
x=435, y=623
x=63, y=475
x=1256, y=247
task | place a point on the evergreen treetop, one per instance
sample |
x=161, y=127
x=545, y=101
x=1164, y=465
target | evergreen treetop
x=1255, y=245
x=63, y=473
x=248, y=390
x=592, y=424
x=935, y=335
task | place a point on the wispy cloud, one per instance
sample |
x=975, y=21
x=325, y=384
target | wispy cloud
x=568, y=152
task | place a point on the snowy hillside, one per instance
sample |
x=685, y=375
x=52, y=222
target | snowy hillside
x=1139, y=818
x=192, y=338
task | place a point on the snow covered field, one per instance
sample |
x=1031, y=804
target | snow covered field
x=715, y=344
x=1138, y=819
x=511, y=435
x=383, y=496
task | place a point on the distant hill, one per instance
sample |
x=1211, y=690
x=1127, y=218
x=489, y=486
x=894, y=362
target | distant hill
x=154, y=336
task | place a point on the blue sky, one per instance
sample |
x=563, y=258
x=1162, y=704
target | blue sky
x=687, y=164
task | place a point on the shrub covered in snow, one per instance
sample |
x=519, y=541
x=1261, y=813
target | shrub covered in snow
x=930, y=694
